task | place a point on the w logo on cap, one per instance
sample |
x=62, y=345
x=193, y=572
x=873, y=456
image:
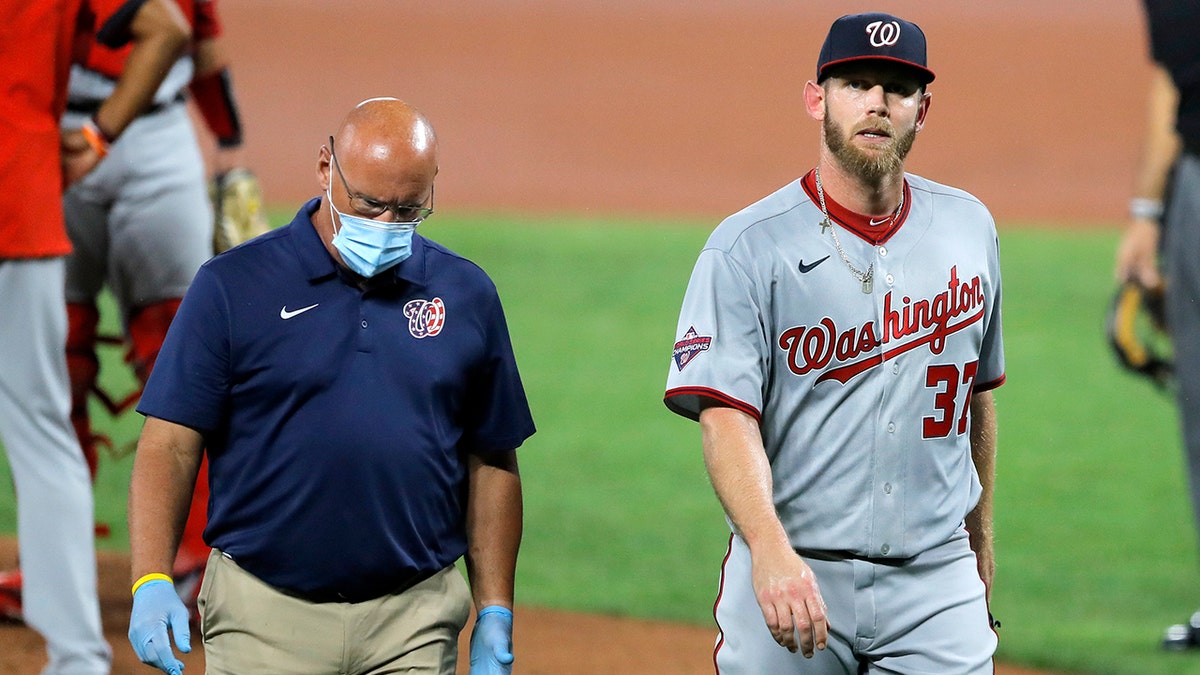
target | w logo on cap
x=874, y=36
x=883, y=34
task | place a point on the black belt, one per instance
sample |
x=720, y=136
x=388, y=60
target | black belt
x=333, y=596
x=90, y=106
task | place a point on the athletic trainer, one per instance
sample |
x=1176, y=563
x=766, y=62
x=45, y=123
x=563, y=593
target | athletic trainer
x=838, y=343
x=355, y=389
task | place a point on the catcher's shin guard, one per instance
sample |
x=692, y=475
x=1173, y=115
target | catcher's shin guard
x=147, y=329
x=82, y=368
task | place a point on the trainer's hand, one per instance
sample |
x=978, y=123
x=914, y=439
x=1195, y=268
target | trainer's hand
x=155, y=607
x=491, y=642
x=791, y=603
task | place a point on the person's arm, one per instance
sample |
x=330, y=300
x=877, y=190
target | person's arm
x=983, y=453
x=212, y=90
x=784, y=585
x=1137, y=254
x=494, y=522
x=160, y=34
x=160, y=491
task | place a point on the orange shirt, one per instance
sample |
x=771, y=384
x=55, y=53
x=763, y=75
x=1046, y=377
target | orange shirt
x=36, y=40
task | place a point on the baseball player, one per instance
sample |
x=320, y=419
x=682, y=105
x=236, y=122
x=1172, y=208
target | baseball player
x=54, y=498
x=837, y=343
x=142, y=223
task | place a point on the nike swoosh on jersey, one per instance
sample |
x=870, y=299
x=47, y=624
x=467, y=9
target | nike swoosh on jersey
x=805, y=269
x=881, y=221
x=285, y=314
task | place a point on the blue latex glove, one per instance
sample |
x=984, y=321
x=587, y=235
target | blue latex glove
x=155, y=607
x=491, y=642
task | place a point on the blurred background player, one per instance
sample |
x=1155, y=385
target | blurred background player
x=142, y=223
x=54, y=498
x=1165, y=218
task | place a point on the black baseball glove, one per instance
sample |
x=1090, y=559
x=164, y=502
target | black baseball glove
x=1137, y=332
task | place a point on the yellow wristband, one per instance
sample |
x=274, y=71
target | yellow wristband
x=95, y=138
x=153, y=576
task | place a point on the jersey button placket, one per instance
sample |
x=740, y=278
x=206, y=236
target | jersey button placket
x=364, y=336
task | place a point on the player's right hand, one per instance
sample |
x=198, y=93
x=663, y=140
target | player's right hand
x=786, y=590
x=156, y=607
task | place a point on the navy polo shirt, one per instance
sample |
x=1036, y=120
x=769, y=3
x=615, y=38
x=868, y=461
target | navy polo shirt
x=335, y=419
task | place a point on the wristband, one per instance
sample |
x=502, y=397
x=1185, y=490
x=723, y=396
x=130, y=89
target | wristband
x=96, y=137
x=1146, y=209
x=153, y=576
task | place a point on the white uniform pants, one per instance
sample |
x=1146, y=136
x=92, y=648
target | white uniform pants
x=54, y=491
x=926, y=614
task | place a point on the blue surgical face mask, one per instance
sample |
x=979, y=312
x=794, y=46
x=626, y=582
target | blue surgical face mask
x=367, y=246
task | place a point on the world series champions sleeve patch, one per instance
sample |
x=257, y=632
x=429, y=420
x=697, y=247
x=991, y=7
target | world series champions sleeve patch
x=691, y=346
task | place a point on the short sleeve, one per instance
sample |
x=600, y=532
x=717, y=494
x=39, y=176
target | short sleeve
x=721, y=346
x=189, y=384
x=499, y=418
x=991, y=350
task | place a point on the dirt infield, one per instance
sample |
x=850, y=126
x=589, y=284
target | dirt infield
x=548, y=642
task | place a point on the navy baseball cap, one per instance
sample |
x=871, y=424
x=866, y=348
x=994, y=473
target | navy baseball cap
x=874, y=36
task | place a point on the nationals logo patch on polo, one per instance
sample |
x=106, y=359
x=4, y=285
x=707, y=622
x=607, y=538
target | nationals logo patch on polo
x=690, y=347
x=426, y=318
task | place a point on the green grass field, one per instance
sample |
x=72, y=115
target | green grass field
x=1097, y=552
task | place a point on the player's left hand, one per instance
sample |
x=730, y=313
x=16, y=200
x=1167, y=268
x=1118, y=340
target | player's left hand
x=491, y=642
x=155, y=607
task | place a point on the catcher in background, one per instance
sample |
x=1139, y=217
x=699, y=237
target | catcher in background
x=1165, y=224
x=142, y=223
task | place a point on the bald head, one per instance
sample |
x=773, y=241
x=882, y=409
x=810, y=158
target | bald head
x=387, y=130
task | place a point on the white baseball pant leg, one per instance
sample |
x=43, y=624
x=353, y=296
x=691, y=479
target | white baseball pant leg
x=55, y=521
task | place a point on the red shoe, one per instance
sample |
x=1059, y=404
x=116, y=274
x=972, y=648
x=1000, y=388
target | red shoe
x=10, y=596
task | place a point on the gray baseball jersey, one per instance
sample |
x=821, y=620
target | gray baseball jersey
x=862, y=397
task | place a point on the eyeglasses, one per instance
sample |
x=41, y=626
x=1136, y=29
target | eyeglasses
x=373, y=208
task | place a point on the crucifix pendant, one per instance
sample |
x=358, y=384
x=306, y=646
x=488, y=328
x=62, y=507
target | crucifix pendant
x=867, y=282
x=825, y=225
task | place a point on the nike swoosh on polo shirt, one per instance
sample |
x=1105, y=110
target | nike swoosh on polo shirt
x=285, y=314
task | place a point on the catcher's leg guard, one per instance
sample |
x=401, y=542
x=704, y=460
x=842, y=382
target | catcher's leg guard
x=82, y=368
x=147, y=329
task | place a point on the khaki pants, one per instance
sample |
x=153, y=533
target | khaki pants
x=250, y=627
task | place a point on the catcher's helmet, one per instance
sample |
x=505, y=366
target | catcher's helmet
x=1137, y=331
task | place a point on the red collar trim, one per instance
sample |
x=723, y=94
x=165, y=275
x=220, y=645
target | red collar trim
x=857, y=223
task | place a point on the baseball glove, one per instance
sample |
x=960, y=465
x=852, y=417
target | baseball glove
x=237, y=207
x=1137, y=332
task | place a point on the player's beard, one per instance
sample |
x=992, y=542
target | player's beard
x=871, y=166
